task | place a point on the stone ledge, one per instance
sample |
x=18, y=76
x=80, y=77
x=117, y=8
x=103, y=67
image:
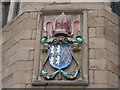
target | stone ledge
x=60, y=83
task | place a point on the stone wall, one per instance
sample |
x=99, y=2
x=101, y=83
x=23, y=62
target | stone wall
x=19, y=37
x=18, y=50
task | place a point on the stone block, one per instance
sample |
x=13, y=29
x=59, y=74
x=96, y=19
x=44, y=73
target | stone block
x=97, y=64
x=96, y=22
x=84, y=5
x=100, y=53
x=112, y=79
x=5, y=63
x=59, y=7
x=28, y=24
x=26, y=77
x=61, y=1
x=92, y=32
x=32, y=7
x=109, y=10
x=6, y=37
x=8, y=44
x=99, y=31
x=92, y=53
x=33, y=15
x=21, y=55
x=115, y=28
x=32, y=55
x=24, y=65
x=96, y=43
x=5, y=73
x=7, y=82
x=114, y=38
x=112, y=56
x=110, y=86
x=26, y=45
x=113, y=67
x=111, y=46
x=97, y=86
x=18, y=86
x=92, y=13
x=22, y=17
x=100, y=76
x=24, y=34
x=91, y=76
x=28, y=86
x=33, y=34
x=15, y=30
x=11, y=51
x=108, y=15
x=12, y=69
x=20, y=66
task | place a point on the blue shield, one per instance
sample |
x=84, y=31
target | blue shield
x=60, y=56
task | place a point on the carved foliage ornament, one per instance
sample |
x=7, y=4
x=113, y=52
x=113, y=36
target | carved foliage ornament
x=60, y=48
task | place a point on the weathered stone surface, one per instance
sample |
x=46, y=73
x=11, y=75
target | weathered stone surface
x=108, y=15
x=32, y=7
x=97, y=21
x=110, y=34
x=112, y=79
x=35, y=87
x=113, y=67
x=92, y=53
x=6, y=36
x=20, y=66
x=100, y=53
x=24, y=34
x=25, y=45
x=26, y=77
x=5, y=72
x=7, y=63
x=11, y=51
x=92, y=32
x=19, y=38
x=8, y=44
x=100, y=76
x=32, y=55
x=33, y=34
x=112, y=56
x=100, y=32
x=91, y=76
x=29, y=24
x=18, y=86
x=92, y=13
x=33, y=15
x=99, y=64
x=97, y=86
x=7, y=82
x=61, y=1
x=111, y=46
x=96, y=43
x=21, y=55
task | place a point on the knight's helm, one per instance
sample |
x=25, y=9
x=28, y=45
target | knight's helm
x=61, y=26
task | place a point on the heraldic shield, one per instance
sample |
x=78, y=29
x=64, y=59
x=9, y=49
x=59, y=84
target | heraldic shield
x=60, y=56
x=60, y=48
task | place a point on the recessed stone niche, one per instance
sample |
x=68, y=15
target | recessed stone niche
x=76, y=72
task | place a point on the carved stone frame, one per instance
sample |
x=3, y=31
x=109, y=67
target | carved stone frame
x=36, y=74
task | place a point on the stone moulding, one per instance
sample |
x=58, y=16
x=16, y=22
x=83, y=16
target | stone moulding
x=37, y=79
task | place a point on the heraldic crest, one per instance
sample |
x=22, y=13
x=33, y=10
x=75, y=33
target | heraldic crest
x=60, y=48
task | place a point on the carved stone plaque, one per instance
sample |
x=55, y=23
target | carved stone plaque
x=63, y=43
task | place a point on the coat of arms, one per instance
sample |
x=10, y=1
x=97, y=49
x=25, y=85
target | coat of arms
x=60, y=47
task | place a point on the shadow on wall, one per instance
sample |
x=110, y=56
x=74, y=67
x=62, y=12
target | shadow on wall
x=119, y=46
x=116, y=9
